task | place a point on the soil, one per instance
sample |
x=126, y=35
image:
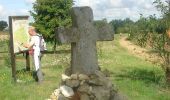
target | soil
x=3, y=37
x=139, y=51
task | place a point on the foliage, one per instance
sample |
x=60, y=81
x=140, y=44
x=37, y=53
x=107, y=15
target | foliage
x=50, y=14
x=151, y=31
x=162, y=40
x=3, y=25
x=142, y=30
x=164, y=8
x=122, y=26
x=99, y=23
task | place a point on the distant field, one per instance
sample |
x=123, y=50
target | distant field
x=4, y=32
x=4, y=35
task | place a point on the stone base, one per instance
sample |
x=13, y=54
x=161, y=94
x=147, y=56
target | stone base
x=86, y=87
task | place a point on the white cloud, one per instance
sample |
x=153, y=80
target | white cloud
x=6, y=11
x=2, y=13
x=30, y=1
x=1, y=8
x=119, y=9
x=24, y=11
x=19, y=12
x=110, y=9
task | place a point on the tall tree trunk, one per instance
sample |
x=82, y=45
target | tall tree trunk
x=168, y=75
x=55, y=43
x=168, y=68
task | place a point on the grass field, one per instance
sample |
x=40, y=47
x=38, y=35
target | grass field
x=134, y=77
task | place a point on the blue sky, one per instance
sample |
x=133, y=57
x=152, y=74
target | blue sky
x=14, y=7
x=110, y=9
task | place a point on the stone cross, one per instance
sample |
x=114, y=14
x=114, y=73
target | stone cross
x=83, y=36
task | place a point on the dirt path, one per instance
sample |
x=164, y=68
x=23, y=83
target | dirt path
x=3, y=37
x=139, y=52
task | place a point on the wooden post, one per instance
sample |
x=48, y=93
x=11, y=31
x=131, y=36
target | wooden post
x=27, y=57
x=16, y=24
x=13, y=63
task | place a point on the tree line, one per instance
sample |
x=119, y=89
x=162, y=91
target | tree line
x=3, y=25
x=150, y=32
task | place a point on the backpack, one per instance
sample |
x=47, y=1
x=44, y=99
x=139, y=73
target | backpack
x=42, y=44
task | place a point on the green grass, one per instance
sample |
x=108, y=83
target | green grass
x=4, y=46
x=27, y=88
x=134, y=77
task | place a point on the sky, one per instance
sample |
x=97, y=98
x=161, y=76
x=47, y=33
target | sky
x=109, y=9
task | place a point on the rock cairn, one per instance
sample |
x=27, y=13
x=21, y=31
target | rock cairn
x=85, y=87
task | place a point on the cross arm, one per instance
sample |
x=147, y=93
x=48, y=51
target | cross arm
x=66, y=35
x=105, y=32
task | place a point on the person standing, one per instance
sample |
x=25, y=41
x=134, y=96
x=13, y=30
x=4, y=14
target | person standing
x=34, y=47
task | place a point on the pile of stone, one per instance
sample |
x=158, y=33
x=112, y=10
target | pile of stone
x=85, y=87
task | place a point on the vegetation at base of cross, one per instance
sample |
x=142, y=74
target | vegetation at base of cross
x=134, y=77
x=50, y=14
x=150, y=32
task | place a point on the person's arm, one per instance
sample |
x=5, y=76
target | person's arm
x=30, y=44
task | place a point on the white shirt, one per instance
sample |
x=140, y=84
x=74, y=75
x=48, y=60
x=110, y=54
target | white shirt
x=35, y=40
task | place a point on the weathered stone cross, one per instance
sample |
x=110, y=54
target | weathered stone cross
x=83, y=36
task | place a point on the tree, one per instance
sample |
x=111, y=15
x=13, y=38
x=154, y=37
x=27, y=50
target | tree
x=50, y=14
x=3, y=25
x=122, y=26
x=144, y=30
x=116, y=24
x=164, y=8
x=162, y=41
x=99, y=23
